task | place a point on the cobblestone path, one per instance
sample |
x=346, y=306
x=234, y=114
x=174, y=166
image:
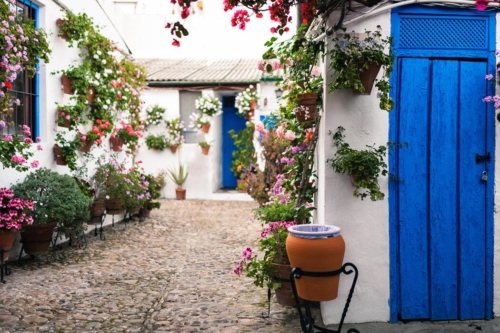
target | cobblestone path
x=169, y=273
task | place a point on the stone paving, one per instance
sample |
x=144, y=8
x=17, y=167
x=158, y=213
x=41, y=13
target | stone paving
x=169, y=273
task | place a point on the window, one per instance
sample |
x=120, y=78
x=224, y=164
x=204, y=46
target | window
x=23, y=88
x=187, y=107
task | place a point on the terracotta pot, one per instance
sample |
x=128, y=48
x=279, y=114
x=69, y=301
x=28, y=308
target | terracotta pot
x=284, y=294
x=309, y=101
x=367, y=77
x=145, y=211
x=6, y=240
x=253, y=104
x=91, y=92
x=116, y=143
x=316, y=255
x=36, y=239
x=135, y=210
x=88, y=144
x=180, y=193
x=205, y=128
x=97, y=209
x=59, y=23
x=173, y=149
x=114, y=206
x=61, y=120
x=251, y=114
x=60, y=160
x=205, y=150
x=67, y=87
x=241, y=185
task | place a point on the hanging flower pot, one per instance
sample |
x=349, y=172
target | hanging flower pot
x=88, y=145
x=6, y=240
x=59, y=157
x=91, y=92
x=116, y=143
x=59, y=23
x=205, y=128
x=367, y=77
x=180, y=193
x=306, y=108
x=173, y=149
x=316, y=248
x=62, y=121
x=67, y=85
x=36, y=239
x=205, y=150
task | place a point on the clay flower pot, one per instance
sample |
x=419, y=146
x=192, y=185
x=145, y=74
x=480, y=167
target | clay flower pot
x=36, y=239
x=91, y=92
x=205, y=150
x=59, y=157
x=61, y=119
x=205, y=128
x=59, y=23
x=67, y=87
x=173, y=149
x=88, y=145
x=367, y=77
x=309, y=101
x=180, y=193
x=6, y=240
x=116, y=143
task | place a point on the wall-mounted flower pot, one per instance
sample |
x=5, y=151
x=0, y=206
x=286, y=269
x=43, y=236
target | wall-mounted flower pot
x=367, y=77
x=59, y=23
x=205, y=128
x=173, y=149
x=36, y=239
x=59, y=157
x=180, y=193
x=62, y=121
x=91, y=92
x=309, y=101
x=87, y=146
x=316, y=248
x=205, y=150
x=116, y=143
x=250, y=114
x=6, y=241
x=67, y=85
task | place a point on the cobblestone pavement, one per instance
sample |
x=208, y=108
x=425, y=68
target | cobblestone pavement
x=169, y=273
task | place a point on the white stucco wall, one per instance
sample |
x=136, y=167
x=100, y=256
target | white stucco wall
x=364, y=224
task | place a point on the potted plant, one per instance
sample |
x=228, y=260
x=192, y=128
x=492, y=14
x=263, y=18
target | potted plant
x=272, y=268
x=15, y=213
x=58, y=199
x=200, y=121
x=205, y=146
x=208, y=105
x=65, y=149
x=125, y=135
x=244, y=153
x=179, y=176
x=246, y=101
x=174, y=136
x=156, y=141
x=351, y=58
x=154, y=186
x=363, y=166
x=154, y=115
x=137, y=189
x=16, y=149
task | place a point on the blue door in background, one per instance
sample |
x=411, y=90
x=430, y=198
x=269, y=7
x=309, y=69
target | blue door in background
x=441, y=210
x=230, y=121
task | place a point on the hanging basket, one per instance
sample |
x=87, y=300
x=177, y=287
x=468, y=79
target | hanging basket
x=307, y=101
x=116, y=143
x=59, y=23
x=61, y=120
x=98, y=208
x=316, y=248
x=66, y=84
x=367, y=77
x=91, y=92
x=59, y=157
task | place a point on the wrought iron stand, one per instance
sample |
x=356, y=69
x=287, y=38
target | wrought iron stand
x=4, y=270
x=96, y=220
x=51, y=253
x=306, y=319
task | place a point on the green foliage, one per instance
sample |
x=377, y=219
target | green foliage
x=156, y=141
x=57, y=198
x=244, y=154
x=76, y=28
x=364, y=166
x=276, y=211
x=175, y=131
x=17, y=145
x=349, y=56
x=178, y=175
x=204, y=144
x=153, y=205
x=69, y=147
x=154, y=115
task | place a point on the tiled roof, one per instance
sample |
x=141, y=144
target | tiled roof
x=202, y=71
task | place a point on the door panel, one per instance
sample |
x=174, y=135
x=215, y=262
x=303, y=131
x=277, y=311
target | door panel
x=231, y=120
x=441, y=199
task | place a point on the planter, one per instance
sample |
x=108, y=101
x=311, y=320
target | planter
x=66, y=84
x=322, y=251
x=59, y=23
x=367, y=77
x=36, y=239
x=114, y=206
x=98, y=208
x=205, y=128
x=116, y=143
x=205, y=150
x=88, y=145
x=91, y=95
x=173, y=149
x=284, y=294
x=59, y=157
x=61, y=120
x=135, y=210
x=145, y=211
x=309, y=101
x=6, y=240
x=180, y=194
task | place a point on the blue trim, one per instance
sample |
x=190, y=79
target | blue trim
x=489, y=54
x=37, y=115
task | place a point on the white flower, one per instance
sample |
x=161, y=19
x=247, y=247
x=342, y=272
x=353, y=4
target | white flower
x=104, y=61
x=107, y=197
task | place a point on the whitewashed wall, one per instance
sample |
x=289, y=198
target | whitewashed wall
x=364, y=224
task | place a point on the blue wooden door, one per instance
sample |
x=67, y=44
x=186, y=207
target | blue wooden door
x=230, y=121
x=443, y=206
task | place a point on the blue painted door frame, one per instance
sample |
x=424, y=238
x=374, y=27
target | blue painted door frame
x=441, y=213
x=231, y=120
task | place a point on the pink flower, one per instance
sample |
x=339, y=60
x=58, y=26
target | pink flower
x=280, y=132
x=488, y=77
x=83, y=138
x=316, y=71
x=289, y=135
x=247, y=253
x=8, y=138
x=260, y=65
x=18, y=159
x=482, y=4
x=39, y=147
x=259, y=127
